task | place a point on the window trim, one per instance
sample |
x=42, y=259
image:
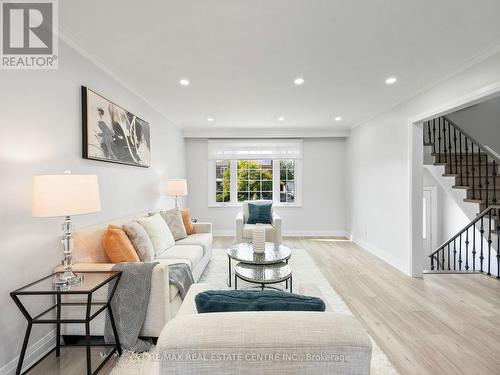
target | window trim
x=234, y=185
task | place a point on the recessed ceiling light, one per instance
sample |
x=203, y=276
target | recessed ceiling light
x=281, y=119
x=299, y=81
x=184, y=82
x=210, y=119
x=338, y=118
x=391, y=81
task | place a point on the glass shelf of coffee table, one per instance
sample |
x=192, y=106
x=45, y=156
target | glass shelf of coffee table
x=263, y=274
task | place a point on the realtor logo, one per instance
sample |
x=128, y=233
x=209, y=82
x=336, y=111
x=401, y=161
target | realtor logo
x=29, y=34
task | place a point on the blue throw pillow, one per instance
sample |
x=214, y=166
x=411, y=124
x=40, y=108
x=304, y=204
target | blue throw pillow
x=255, y=300
x=259, y=213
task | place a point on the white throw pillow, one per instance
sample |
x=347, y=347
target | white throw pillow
x=158, y=232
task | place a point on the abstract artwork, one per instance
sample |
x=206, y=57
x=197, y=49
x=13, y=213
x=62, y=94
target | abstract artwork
x=113, y=134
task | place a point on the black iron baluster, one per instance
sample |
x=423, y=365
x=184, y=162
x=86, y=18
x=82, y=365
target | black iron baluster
x=449, y=143
x=473, y=173
x=467, y=249
x=461, y=161
x=467, y=160
x=481, y=256
x=429, y=131
x=455, y=142
x=454, y=254
x=439, y=140
x=443, y=259
x=432, y=262
x=487, y=188
x=434, y=136
x=444, y=142
x=494, y=182
x=460, y=253
x=480, y=156
x=448, y=256
x=489, y=243
x=474, y=246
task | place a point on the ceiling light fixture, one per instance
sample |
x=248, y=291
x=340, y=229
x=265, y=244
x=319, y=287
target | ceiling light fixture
x=338, y=118
x=299, y=81
x=210, y=119
x=281, y=119
x=391, y=81
x=184, y=82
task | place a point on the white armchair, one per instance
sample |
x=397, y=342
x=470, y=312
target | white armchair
x=244, y=231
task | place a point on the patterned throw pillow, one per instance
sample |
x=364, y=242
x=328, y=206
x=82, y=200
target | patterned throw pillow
x=140, y=240
x=173, y=218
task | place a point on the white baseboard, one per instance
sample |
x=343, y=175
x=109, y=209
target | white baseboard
x=401, y=266
x=33, y=353
x=292, y=233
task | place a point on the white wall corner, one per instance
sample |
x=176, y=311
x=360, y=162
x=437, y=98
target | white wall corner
x=388, y=258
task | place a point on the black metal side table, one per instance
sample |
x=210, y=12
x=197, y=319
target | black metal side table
x=56, y=314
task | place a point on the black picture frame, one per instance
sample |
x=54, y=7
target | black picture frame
x=112, y=134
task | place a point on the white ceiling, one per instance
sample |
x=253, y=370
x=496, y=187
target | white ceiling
x=241, y=57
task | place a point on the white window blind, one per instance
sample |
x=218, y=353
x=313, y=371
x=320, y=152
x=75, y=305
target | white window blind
x=254, y=149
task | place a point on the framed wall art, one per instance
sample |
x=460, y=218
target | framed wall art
x=113, y=134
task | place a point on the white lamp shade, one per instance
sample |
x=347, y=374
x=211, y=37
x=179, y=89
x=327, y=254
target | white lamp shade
x=65, y=195
x=176, y=188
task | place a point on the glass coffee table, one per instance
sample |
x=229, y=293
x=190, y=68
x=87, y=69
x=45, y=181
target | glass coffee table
x=264, y=271
x=264, y=274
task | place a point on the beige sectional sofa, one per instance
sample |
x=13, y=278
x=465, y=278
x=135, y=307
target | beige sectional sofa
x=164, y=301
x=280, y=342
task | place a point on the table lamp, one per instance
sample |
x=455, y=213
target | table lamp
x=65, y=195
x=176, y=188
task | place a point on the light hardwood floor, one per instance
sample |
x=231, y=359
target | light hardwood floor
x=441, y=324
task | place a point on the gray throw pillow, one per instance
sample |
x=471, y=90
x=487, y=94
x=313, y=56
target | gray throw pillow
x=140, y=240
x=174, y=221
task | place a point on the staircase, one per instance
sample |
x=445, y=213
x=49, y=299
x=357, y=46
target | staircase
x=475, y=248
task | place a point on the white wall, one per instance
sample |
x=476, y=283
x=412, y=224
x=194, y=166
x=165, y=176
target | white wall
x=450, y=216
x=482, y=122
x=379, y=166
x=41, y=134
x=323, y=197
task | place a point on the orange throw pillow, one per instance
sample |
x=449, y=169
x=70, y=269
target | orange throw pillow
x=117, y=246
x=188, y=224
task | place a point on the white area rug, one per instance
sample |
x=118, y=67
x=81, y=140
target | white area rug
x=307, y=279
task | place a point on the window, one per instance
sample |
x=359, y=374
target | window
x=287, y=181
x=222, y=181
x=267, y=169
x=255, y=180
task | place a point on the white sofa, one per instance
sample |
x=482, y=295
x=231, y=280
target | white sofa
x=164, y=301
x=244, y=231
x=268, y=343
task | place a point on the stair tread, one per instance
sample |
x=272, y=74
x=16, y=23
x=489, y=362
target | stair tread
x=476, y=188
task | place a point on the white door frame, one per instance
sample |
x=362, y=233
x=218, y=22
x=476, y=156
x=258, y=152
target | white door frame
x=415, y=167
x=434, y=216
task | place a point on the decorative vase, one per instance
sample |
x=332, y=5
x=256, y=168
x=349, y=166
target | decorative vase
x=259, y=238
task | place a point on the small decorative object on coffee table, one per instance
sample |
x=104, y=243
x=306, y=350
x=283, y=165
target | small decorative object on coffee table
x=244, y=254
x=66, y=312
x=259, y=238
